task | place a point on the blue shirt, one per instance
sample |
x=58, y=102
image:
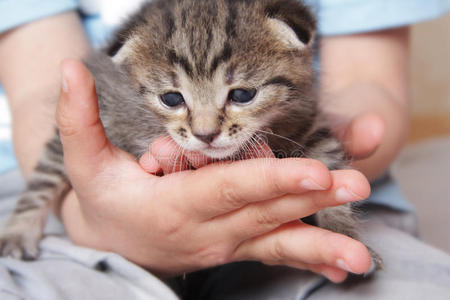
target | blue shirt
x=335, y=17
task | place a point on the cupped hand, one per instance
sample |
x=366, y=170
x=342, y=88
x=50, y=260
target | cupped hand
x=194, y=219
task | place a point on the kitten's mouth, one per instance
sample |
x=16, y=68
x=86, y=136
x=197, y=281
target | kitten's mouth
x=219, y=152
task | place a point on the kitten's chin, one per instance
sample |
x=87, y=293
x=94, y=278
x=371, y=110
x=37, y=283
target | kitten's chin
x=219, y=153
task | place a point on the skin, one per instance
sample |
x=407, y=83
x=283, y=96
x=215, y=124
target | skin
x=239, y=214
x=365, y=96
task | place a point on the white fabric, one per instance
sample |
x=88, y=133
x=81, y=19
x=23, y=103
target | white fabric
x=5, y=119
x=112, y=12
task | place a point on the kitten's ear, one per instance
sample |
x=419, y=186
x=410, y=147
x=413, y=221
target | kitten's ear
x=125, y=51
x=292, y=21
x=285, y=34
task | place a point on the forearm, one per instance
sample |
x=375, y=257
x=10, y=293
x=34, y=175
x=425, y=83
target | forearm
x=30, y=58
x=368, y=73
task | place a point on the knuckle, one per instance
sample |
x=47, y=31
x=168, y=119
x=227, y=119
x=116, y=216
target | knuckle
x=65, y=124
x=213, y=256
x=273, y=183
x=277, y=253
x=263, y=217
x=228, y=194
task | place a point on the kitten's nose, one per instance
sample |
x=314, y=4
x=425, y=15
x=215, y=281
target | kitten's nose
x=207, y=138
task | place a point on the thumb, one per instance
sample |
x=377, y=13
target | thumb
x=81, y=131
x=364, y=135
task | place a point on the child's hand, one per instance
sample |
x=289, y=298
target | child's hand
x=247, y=210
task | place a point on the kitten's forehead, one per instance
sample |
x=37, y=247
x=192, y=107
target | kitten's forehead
x=200, y=36
x=204, y=92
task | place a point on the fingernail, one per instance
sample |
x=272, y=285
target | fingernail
x=344, y=195
x=64, y=84
x=343, y=265
x=310, y=184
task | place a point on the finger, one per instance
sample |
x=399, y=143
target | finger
x=81, y=131
x=333, y=274
x=262, y=217
x=299, y=243
x=260, y=150
x=150, y=164
x=169, y=155
x=228, y=187
x=198, y=160
x=363, y=135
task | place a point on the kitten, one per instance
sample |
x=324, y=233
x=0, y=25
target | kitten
x=216, y=76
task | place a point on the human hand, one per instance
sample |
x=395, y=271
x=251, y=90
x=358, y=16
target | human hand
x=185, y=221
x=360, y=124
x=362, y=136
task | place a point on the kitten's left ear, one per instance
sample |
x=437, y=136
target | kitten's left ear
x=292, y=21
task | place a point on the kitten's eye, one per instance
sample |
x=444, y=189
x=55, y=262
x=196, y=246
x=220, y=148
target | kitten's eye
x=172, y=99
x=242, y=96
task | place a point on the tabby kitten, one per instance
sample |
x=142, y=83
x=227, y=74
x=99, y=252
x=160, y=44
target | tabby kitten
x=215, y=75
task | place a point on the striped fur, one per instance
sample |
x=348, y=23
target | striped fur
x=202, y=49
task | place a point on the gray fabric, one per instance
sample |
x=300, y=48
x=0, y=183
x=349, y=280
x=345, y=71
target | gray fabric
x=65, y=271
x=413, y=270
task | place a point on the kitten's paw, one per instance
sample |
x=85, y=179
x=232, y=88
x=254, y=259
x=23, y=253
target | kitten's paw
x=20, y=243
x=19, y=246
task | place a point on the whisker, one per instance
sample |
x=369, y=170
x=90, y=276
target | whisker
x=301, y=147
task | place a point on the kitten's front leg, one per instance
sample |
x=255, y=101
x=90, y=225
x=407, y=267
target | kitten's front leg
x=341, y=219
x=20, y=237
x=47, y=184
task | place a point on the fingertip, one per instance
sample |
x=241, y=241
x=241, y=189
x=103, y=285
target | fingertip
x=357, y=259
x=361, y=185
x=78, y=94
x=365, y=134
x=168, y=154
x=198, y=160
x=335, y=275
x=149, y=164
x=347, y=254
x=75, y=74
x=78, y=105
x=352, y=180
x=371, y=125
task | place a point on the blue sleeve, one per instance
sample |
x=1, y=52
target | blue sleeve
x=17, y=12
x=356, y=16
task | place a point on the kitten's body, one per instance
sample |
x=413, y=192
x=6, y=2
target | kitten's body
x=203, y=51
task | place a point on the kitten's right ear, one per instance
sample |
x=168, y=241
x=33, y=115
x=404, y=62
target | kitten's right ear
x=125, y=51
x=292, y=21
